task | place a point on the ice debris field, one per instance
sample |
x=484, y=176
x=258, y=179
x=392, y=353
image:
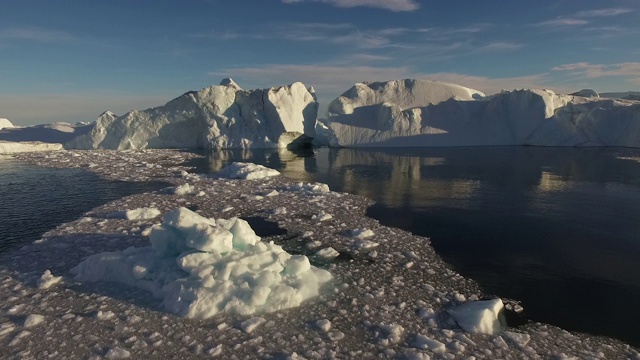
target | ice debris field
x=222, y=266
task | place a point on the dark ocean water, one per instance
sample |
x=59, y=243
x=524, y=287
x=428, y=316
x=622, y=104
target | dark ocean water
x=557, y=228
x=34, y=199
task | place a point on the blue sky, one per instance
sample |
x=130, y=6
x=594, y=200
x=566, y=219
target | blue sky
x=69, y=60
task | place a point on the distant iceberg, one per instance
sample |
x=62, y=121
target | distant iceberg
x=221, y=116
x=419, y=113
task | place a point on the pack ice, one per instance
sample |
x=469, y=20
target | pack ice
x=201, y=267
x=222, y=116
x=414, y=113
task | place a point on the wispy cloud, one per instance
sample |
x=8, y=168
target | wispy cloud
x=391, y=5
x=630, y=71
x=33, y=34
x=389, y=41
x=562, y=22
x=603, y=12
x=583, y=17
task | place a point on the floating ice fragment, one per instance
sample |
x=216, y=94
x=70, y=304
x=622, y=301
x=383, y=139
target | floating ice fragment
x=141, y=213
x=484, y=317
x=47, y=280
x=184, y=189
x=117, y=353
x=425, y=343
x=247, y=171
x=362, y=233
x=251, y=324
x=33, y=320
x=324, y=325
x=328, y=253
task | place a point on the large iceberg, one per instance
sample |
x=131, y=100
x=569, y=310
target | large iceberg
x=394, y=114
x=222, y=116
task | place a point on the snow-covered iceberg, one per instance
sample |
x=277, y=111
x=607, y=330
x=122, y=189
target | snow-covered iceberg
x=391, y=115
x=201, y=267
x=221, y=116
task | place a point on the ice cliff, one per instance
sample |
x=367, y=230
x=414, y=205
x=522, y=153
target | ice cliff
x=222, y=116
x=413, y=113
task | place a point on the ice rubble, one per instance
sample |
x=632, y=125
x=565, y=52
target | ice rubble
x=222, y=116
x=201, y=267
x=377, y=307
x=391, y=114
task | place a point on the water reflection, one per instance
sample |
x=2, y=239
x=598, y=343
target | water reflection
x=558, y=228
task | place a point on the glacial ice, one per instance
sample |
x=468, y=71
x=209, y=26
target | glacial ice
x=222, y=116
x=201, y=267
x=519, y=117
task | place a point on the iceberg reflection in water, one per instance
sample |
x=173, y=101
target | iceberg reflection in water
x=558, y=228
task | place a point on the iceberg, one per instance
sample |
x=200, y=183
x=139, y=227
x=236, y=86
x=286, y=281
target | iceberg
x=5, y=123
x=216, y=117
x=13, y=147
x=400, y=113
x=202, y=267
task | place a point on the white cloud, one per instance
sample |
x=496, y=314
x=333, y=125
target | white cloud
x=562, y=22
x=35, y=35
x=391, y=5
x=603, y=12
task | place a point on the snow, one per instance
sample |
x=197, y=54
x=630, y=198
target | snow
x=201, y=268
x=247, y=171
x=12, y=147
x=374, y=306
x=222, y=116
x=483, y=317
x=364, y=117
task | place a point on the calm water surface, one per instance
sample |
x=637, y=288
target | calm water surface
x=34, y=200
x=558, y=228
